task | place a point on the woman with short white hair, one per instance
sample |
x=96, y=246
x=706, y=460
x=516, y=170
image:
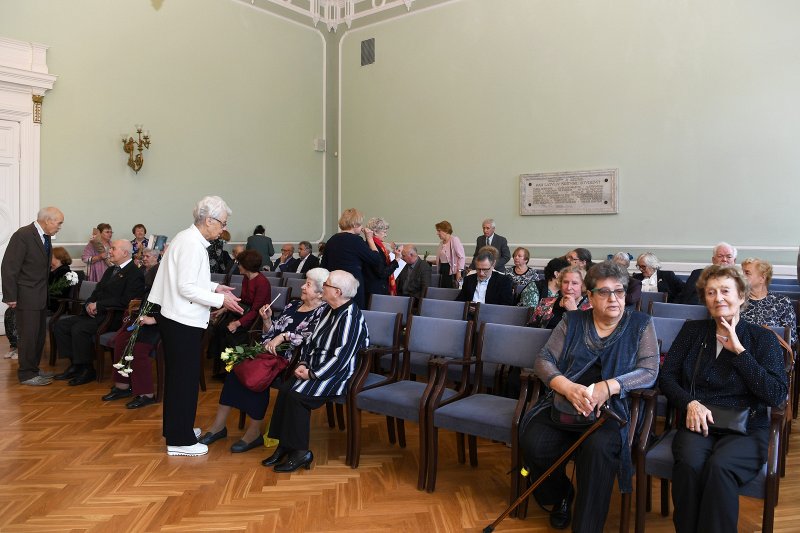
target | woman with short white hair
x=656, y=280
x=184, y=289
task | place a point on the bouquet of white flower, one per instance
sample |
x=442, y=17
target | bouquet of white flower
x=70, y=279
x=123, y=366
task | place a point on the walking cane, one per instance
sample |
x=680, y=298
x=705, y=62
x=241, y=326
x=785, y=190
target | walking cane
x=605, y=414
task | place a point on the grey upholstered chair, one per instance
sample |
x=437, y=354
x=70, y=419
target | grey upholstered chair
x=644, y=302
x=295, y=284
x=293, y=275
x=391, y=304
x=684, y=311
x=399, y=397
x=440, y=293
x=484, y=415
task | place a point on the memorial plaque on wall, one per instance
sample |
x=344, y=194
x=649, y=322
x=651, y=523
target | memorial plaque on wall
x=583, y=192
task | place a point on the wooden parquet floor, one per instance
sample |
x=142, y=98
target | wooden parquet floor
x=70, y=462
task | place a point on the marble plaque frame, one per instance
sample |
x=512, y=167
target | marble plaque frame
x=581, y=192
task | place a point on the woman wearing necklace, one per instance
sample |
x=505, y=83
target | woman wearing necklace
x=723, y=363
x=520, y=272
x=764, y=307
x=593, y=357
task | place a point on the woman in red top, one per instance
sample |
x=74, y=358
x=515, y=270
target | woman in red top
x=231, y=330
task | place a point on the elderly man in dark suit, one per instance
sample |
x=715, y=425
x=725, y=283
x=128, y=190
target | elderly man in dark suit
x=723, y=255
x=25, y=270
x=415, y=276
x=118, y=286
x=487, y=285
x=305, y=262
x=490, y=238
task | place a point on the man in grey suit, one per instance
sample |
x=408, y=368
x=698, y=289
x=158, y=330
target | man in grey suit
x=415, y=276
x=490, y=238
x=25, y=271
x=262, y=244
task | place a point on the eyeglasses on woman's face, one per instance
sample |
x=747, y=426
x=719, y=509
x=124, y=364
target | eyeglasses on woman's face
x=606, y=292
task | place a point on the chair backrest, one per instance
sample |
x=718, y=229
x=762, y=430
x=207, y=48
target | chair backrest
x=275, y=282
x=237, y=289
x=295, y=284
x=666, y=330
x=384, y=328
x=284, y=293
x=443, y=309
x=510, y=315
x=439, y=336
x=86, y=289
x=391, y=304
x=271, y=273
x=647, y=297
x=436, y=278
x=439, y=293
x=293, y=275
x=217, y=277
x=236, y=278
x=511, y=345
x=685, y=311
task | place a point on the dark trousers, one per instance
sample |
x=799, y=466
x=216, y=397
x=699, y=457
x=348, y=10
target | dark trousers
x=291, y=417
x=596, y=465
x=706, y=477
x=75, y=338
x=141, y=380
x=182, y=345
x=30, y=341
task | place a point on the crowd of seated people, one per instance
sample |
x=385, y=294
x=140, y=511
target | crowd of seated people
x=360, y=261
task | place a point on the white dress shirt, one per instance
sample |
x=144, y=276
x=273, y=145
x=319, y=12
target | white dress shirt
x=650, y=284
x=480, y=290
x=183, y=285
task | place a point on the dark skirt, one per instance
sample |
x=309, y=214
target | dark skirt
x=236, y=395
x=446, y=279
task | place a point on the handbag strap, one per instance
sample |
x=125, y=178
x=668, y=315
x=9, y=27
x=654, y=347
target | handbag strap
x=703, y=348
x=782, y=341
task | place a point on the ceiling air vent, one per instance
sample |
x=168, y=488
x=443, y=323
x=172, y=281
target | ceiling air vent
x=368, y=52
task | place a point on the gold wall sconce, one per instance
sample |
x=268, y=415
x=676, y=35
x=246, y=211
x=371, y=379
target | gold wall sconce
x=129, y=145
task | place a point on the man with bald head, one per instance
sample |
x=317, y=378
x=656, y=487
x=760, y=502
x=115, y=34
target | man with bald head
x=118, y=286
x=415, y=276
x=25, y=271
x=723, y=254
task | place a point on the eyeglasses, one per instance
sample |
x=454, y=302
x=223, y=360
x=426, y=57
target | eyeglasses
x=326, y=284
x=641, y=267
x=605, y=293
x=221, y=223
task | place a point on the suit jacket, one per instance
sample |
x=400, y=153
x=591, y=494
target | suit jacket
x=413, y=281
x=634, y=294
x=499, y=242
x=26, y=270
x=263, y=245
x=311, y=262
x=117, y=290
x=499, y=290
x=349, y=252
x=667, y=282
x=689, y=293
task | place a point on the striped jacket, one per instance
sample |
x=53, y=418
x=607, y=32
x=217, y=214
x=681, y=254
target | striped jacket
x=330, y=354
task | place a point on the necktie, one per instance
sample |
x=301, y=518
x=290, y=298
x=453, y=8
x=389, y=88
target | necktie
x=48, y=246
x=116, y=270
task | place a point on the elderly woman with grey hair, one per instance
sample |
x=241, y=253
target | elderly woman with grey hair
x=294, y=327
x=654, y=279
x=379, y=279
x=326, y=364
x=184, y=289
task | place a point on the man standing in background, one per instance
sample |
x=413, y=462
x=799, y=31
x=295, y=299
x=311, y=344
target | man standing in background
x=490, y=238
x=25, y=271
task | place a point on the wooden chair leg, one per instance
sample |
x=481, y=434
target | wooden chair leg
x=460, y=448
x=355, y=432
x=423, y=455
x=340, y=416
x=53, y=348
x=390, y=430
x=664, y=497
x=401, y=432
x=329, y=413
x=625, y=513
x=433, y=456
x=648, y=506
x=473, y=450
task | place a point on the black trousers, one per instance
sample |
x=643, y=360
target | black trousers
x=75, y=338
x=182, y=346
x=30, y=341
x=706, y=477
x=596, y=465
x=291, y=417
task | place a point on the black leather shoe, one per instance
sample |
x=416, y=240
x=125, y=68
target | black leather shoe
x=69, y=373
x=297, y=459
x=561, y=515
x=242, y=446
x=117, y=394
x=209, y=437
x=83, y=376
x=276, y=457
x=140, y=401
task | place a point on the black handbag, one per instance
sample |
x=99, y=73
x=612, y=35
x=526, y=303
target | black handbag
x=564, y=414
x=727, y=420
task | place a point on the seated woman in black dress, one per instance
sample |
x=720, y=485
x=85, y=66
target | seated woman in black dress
x=294, y=326
x=326, y=365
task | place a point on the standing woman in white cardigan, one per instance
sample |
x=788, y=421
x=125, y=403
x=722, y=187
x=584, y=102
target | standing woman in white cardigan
x=184, y=289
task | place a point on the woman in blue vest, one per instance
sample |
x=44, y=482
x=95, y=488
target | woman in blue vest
x=594, y=356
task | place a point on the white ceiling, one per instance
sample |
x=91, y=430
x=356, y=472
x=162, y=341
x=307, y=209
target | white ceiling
x=332, y=13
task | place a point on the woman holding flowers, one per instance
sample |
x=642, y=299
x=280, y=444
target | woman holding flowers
x=292, y=329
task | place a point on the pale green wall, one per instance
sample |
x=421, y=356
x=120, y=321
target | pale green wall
x=232, y=97
x=694, y=102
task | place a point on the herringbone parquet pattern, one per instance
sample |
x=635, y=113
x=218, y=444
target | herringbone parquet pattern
x=70, y=462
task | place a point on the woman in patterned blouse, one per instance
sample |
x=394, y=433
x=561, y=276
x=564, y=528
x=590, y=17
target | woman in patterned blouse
x=763, y=307
x=571, y=297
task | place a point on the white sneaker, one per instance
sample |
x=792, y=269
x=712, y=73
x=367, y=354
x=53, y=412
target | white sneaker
x=12, y=354
x=197, y=432
x=191, y=451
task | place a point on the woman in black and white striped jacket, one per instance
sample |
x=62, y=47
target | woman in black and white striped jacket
x=326, y=365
